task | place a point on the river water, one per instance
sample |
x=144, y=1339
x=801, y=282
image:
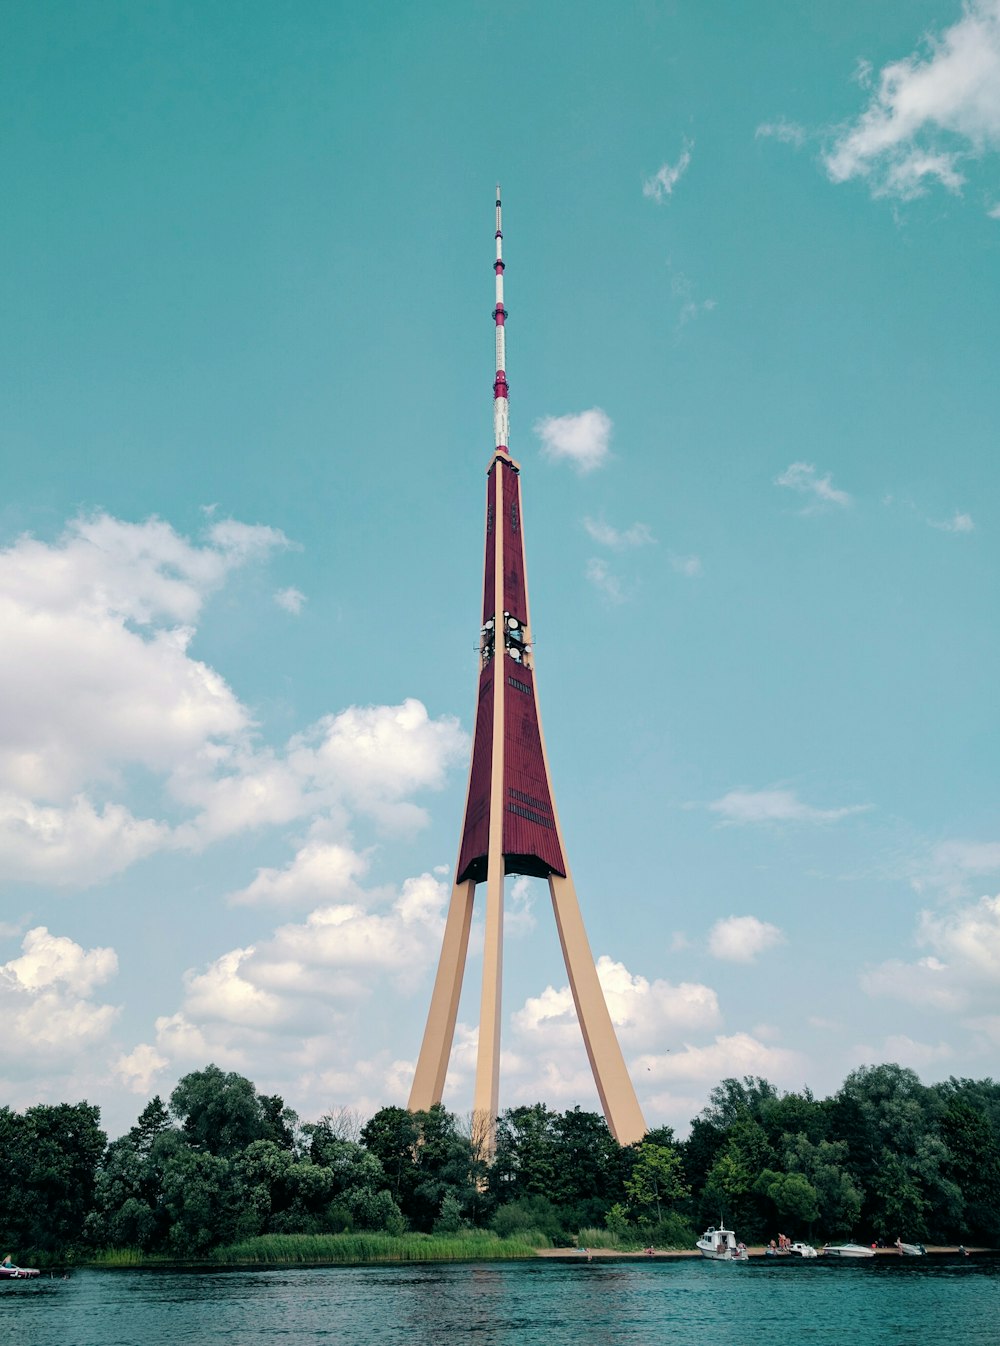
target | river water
x=884, y=1302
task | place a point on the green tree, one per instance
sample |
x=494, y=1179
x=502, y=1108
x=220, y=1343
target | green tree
x=837, y=1195
x=656, y=1182
x=51, y=1155
x=392, y=1136
x=526, y=1162
x=730, y=1192
x=974, y=1165
x=795, y=1200
x=221, y=1113
x=202, y=1199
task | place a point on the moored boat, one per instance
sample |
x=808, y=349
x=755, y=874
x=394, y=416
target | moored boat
x=848, y=1250
x=910, y=1249
x=799, y=1249
x=13, y=1273
x=719, y=1245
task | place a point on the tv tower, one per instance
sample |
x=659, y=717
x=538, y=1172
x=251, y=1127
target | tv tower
x=511, y=825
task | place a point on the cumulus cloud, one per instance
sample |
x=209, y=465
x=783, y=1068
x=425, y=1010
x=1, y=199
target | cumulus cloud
x=97, y=685
x=953, y=866
x=663, y=182
x=741, y=939
x=320, y=871
x=729, y=1055
x=804, y=479
x=961, y=972
x=899, y=1049
x=604, y=580
x=642, y=1011
x=789, y=133
x=637, y=535
x=139, y=1068
x=46, y=998
x=929, y=112
x=581, y=439
x=776, y=806
x=958, y=523
x=288, y=1008
x=291, y=600
x=690, y=566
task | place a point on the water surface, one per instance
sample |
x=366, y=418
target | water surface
x=548, y=1303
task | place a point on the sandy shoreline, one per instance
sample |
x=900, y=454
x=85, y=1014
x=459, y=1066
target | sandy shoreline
x=669, y=1254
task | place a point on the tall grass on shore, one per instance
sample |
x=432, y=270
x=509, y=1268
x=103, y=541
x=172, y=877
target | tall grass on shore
x=468, y=1246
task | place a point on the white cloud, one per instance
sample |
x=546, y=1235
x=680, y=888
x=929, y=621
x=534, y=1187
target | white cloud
x=994, y=212
x=98, y=687
x=789, y=133
x=961, y=973
x=952, y=866
x=290, y=599
x=320, y=871
x=929, y=112
x=901, y=1050
x=604, y=580
x=45, y=1000
x=804, y=478
x=289, y=1009
x=740, y=939
x=76, y=845
x=581, y=439
x=663, y=182
x=689, y=566
x=958, y=523
x=139, y=1068
x=643, y=1012
x=49, y=960
x=776, y=806
x=730, y=1055
x=638, y=535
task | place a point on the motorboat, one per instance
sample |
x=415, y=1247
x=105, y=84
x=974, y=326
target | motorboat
x=719, y=1245
x=799, y=1249
x=910, y=1249
x=848, y=1250
x=9, y=1272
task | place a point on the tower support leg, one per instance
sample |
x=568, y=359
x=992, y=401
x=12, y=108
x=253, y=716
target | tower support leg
x=435, y=1050
x=486, y=1099
x=621, y=1107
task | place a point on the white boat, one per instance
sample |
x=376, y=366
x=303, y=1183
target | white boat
x=802, y=1250
x=719, y=1245
x=848, y=1250
x=910, y=1249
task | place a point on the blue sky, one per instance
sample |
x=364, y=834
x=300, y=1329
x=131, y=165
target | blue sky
x=752, y=263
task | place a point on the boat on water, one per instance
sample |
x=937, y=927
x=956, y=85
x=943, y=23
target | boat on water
x=910, y=1249
x=848, y=1250
x=719, y=1245
x=13, y=1273
x=799, y=1249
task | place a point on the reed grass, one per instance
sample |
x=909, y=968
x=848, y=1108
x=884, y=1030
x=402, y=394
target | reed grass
x=126, y=1257
x=466, y=1246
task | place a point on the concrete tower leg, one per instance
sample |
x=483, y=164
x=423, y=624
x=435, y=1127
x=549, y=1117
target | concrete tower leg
x=618, y=1100
x=435, y=1050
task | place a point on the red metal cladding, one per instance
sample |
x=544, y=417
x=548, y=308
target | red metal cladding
x=513, y=547
x=530, y=839
x=491, y=544
x=476, y=832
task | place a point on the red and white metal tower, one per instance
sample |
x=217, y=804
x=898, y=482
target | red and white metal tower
x=511, y=825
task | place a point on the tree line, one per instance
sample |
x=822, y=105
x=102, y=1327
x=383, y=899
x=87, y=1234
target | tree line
x=885, y=1156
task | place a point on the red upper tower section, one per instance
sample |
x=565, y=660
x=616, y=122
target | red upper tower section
x=509, y=781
